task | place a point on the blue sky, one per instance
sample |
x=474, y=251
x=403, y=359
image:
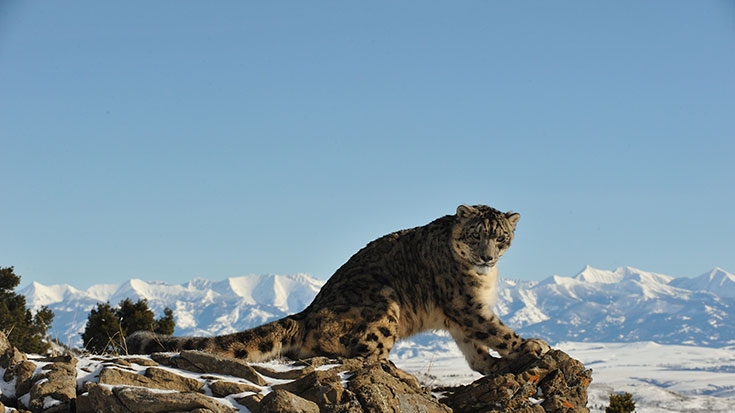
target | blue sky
x=172, y=140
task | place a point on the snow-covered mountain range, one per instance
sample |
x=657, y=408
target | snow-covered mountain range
x=624, y=305
x=201, y=307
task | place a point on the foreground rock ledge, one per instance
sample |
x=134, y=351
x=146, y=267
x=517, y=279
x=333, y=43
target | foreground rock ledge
x=554, y=383
x=203, y=383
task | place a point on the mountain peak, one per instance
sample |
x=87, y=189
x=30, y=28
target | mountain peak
x=38, y=294
x=643, y=276
x=717, y=281
x=135, y=288
x=596, y=276
x=718, y=275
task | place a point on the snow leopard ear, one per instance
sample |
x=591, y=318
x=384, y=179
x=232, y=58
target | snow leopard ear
x=464, y=211
x=513, y=217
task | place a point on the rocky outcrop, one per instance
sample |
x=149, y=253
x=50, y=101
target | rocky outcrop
x=554, y=383
x=46, y=384
x=199, y=382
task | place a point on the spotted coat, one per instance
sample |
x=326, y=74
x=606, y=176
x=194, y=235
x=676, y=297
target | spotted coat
x=440, y=276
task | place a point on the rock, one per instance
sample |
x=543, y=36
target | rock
x=114, y=376
x=279, y=401
x=129, y=361
x=374, y=387
x=172, y=381
x=252, y=402
x=223, y=388
x=64, y=362
x=202, y=362
x=22, y=373
x=124, y=399
x=176, y=361
x=383, y=388
x=284, y=375
x=138, y=399
x=321, y=387
x=554, y=383
x=84, y=404
x=55, y=390
x=154, y=378
x=103, y=400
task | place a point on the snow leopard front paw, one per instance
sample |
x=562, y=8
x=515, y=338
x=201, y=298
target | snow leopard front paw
x=527, y=354
x=534, y=346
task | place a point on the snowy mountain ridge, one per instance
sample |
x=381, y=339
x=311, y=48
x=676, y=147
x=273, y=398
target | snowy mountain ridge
x=717, y=281
x=623, y=305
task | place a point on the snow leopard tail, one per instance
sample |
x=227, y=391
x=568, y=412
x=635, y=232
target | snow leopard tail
x=271, y=340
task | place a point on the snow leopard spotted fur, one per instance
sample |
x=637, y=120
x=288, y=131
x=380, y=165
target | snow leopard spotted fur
x=440, y=276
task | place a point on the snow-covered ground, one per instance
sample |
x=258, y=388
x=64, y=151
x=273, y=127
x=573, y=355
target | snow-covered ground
x=661, y=378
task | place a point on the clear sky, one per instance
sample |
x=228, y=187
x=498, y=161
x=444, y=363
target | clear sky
x=169, y=140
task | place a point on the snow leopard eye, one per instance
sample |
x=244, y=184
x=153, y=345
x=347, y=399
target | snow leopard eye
x=502, y=239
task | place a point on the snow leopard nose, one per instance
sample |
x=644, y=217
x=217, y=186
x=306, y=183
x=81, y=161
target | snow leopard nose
x=486, y=258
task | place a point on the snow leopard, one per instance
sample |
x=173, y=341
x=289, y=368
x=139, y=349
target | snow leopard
x=439, y=276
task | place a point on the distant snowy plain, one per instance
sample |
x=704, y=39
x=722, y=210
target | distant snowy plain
x=661, y=378
x=609, y=320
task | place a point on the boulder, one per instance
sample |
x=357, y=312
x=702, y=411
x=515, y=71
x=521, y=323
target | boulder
x=154, y=378
x=202, y=362
x=142, y=400
x=222, y=388
x=22, y=374
x=321, y=387
x=279, y=401
x=55, y=389
x=101, y=399
x=553, y=383
x=385, y=388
